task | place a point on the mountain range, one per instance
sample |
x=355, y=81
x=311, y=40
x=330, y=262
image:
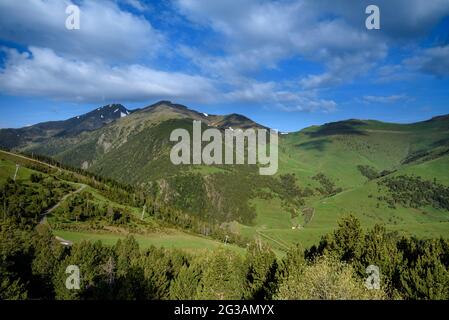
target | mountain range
x=324, y=172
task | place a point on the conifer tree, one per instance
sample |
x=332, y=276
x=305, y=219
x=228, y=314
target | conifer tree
x=185, y=285
x=261, y=271
x=222, y=276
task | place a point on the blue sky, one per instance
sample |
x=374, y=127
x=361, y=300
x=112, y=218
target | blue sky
x=286, y=64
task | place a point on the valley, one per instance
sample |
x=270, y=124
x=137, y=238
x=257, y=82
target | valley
x=325, y=172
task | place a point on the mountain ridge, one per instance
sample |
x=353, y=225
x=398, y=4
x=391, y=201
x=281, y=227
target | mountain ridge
x=222, y=121
x=319, y=167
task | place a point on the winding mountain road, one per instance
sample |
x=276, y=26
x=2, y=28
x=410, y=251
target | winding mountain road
x=44, y=215
x=62, y=241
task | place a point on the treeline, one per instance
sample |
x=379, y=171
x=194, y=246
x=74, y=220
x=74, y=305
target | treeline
x=53, y=165
x=32, y=199
x=289, y=192
x=219, y=197
x=415, y=192
x=199, y=225
x=194, y=200
x=119, y=192
x=28, y=201
x=81, y=208
x=327, y=187
x=409, y=268
x=82, y=172
x=371, y=173
x=225, y=196
x=33, y=265
x=423, y=155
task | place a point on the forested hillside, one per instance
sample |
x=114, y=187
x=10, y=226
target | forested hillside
x=325, y=172
x=33, y=261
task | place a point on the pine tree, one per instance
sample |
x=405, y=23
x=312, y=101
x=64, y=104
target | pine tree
x=157, y=272
x=90, y=258
x=222, y=278
x=380, y=249
x=348, y=238
x=48, y=253
x=185, y=285
x=426, y=277
x=261, y=270
x=130, y=279
x=326, y=278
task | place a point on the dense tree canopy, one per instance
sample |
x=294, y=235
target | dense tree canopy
x=33, y=265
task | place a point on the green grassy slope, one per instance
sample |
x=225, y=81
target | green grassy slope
x=168, y=239
x=149, y=232
x=361, y=201
x=336, y=150
x=135, y=150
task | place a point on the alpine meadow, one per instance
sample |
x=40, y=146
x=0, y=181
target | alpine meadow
x=219, y=150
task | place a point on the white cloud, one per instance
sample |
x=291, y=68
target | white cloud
x=310, y=105
x=385, y=99
x=393, y=72
x=105, y=33
x=99, y=60
x=401, y=20
x=43, y=73
x=138, y=5
x=434, y=61
x=253, y=92
x=270, y=93
x=232, y=67
x=259, y=34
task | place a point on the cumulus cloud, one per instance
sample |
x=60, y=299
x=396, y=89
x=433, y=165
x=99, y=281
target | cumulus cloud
x=434, y=61
x=259, y=34
x=109, y=56
x=401, y=20
x=284, y=100
x=105, y=33
x=341, y=70
x=41, y=72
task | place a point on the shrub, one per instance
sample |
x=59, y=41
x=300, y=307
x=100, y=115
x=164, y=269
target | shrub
x=326, y=278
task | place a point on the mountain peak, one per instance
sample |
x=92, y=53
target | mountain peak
x=235, y=120
x=165, y=103
x=104, y=114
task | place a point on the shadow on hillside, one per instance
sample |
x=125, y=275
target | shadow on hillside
x=336, y=128
x=315, y=144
